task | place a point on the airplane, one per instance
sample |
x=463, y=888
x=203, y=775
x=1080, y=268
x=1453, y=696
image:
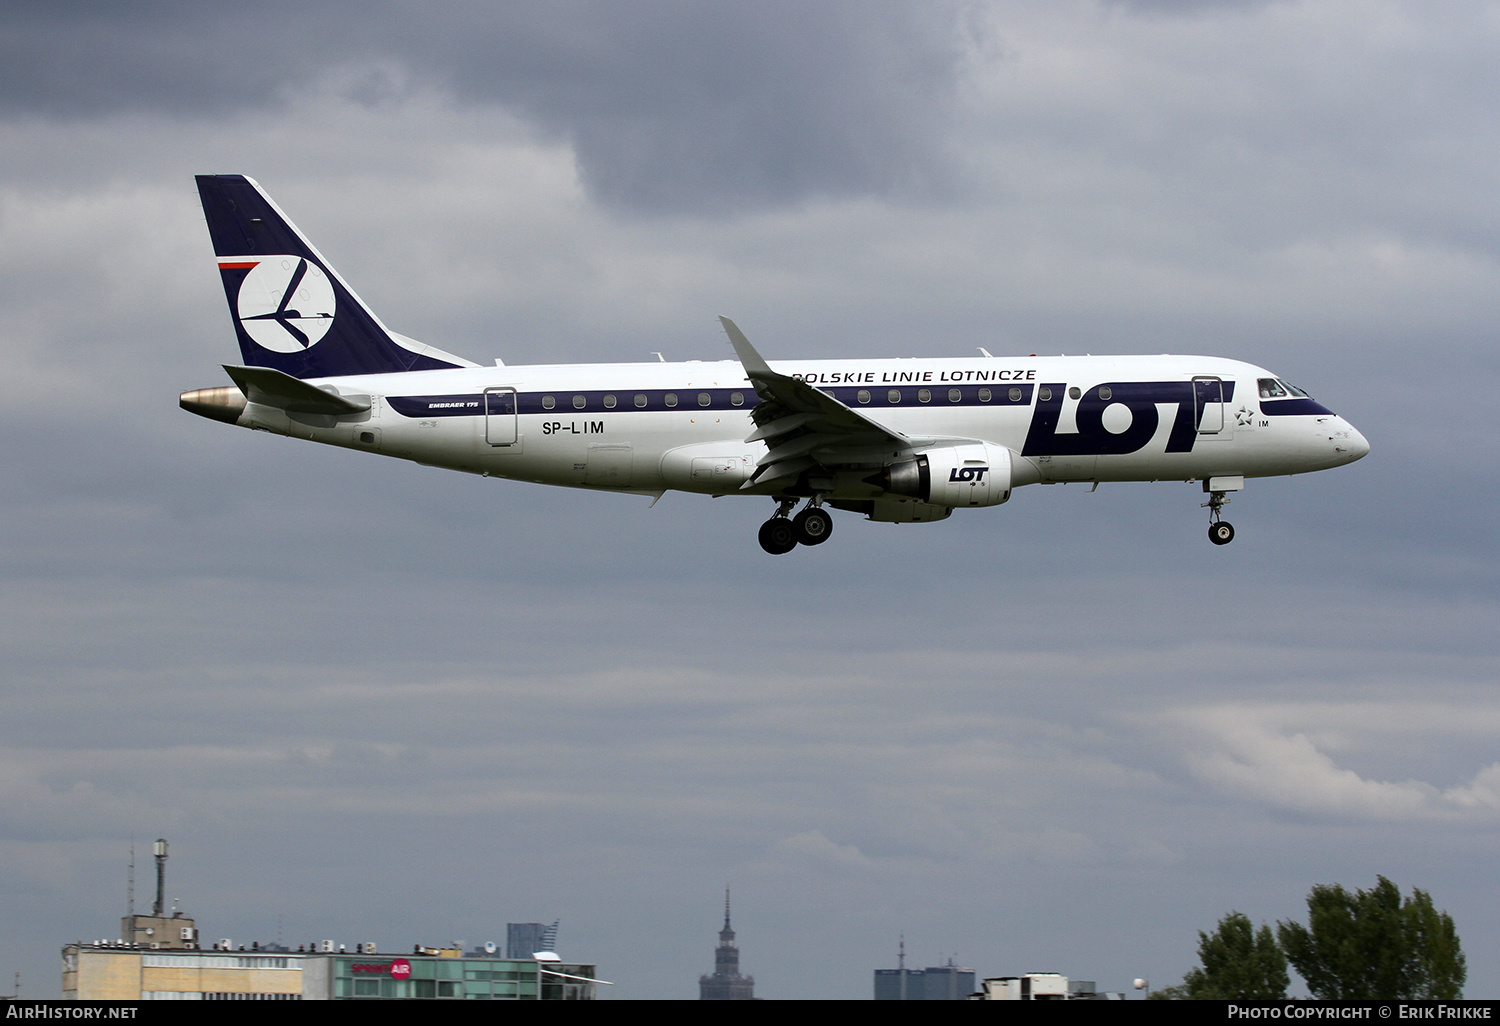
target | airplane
x=899, y=441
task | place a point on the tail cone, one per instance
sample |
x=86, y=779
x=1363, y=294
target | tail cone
x=225, y=403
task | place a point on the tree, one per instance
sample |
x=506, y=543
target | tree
x=1372, y=945
x=1238, y=963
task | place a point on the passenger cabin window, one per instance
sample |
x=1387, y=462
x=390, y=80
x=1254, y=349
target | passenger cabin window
x=1015, y=395
x=640, y=399
x=893, y=396
x=671, y=398
x=704, y=399
x=609, y=402
x=1074, y=392
x=924, y=395
x=736, y=398
x=1044, y=394
x=1105, y=392
x=579, y=402
x=984, y=395
x=954, y=395
x=548, y=402
x=863, y=395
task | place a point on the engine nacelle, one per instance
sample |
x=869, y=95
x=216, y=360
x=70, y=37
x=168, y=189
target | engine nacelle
x=974, y=474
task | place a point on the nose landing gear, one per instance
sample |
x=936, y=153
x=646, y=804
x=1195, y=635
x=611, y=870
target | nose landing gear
x=1220, y=532
x=810, y=527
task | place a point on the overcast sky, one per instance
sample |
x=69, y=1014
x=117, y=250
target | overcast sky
x=367, y=700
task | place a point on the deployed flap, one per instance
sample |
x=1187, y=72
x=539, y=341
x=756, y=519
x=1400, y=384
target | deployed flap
x=269, y=387
x=802, y=426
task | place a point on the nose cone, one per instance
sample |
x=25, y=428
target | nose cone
x=1352, y=445
x=1361, y=444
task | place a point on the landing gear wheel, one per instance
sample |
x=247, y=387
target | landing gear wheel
x=1221, y=533
x=778, y=536
x=813, y=526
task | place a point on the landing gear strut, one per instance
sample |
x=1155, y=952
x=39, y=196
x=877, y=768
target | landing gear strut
x=810, y=527
x=1220, y=532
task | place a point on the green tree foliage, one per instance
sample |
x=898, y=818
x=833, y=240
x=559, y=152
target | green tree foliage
x=1372, y=945
x=1238, y=963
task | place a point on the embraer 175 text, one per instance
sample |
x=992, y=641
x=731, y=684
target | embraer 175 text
x=900, y=441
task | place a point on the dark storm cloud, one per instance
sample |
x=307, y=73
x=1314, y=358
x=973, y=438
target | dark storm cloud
x=670, y=105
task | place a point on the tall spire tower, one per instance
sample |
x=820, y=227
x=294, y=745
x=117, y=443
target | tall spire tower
x=726, y=983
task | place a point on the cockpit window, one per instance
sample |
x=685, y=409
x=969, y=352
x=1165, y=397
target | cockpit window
x=1279, y=388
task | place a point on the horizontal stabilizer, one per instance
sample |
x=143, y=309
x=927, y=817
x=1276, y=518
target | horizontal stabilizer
x=269, y=387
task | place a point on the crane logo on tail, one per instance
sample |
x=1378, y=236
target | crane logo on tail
x=286, y=303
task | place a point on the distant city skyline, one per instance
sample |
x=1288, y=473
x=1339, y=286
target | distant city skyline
x=945, y=982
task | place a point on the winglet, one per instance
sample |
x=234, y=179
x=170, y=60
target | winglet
x=755, y=365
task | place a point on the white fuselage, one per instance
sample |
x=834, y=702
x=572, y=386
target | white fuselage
x=652, y=427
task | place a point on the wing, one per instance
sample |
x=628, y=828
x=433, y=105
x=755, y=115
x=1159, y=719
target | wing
x=805, y=428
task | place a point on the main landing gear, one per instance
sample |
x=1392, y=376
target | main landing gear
x=810, y=527
x=1220, y=532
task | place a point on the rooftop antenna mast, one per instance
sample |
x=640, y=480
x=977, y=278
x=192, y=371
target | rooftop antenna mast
x=160, y=850
x=901, y=964
x=130, y=882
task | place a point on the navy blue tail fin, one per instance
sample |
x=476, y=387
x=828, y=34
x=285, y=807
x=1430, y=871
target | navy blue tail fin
x=291, y=310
